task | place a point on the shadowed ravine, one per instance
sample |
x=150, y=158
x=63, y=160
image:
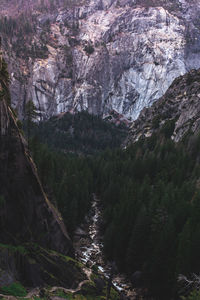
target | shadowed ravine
x=88, y=245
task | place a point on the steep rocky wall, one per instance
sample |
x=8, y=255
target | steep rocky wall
x=26, y=215
x=104, y=55
x=179, y=106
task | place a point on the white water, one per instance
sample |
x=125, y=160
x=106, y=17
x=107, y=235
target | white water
x=90, y=251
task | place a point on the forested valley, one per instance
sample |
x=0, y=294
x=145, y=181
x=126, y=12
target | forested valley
x=150, y=194
x=138, y=181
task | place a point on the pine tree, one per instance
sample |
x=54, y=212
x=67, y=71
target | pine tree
x=4, y=78
x=30, y=115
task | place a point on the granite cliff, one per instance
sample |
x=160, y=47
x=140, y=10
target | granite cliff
x=36, y=253
x=26, y=213
x=175, y=114
x=31, y=230
x=98, y=56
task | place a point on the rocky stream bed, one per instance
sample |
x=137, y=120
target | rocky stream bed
x=88, y=244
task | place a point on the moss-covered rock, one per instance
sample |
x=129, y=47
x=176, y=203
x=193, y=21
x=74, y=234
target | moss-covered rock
x=36, y=266
x=26, y=213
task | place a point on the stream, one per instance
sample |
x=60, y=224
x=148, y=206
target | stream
x=88, y=244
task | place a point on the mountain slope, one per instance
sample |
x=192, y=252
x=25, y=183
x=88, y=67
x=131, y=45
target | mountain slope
x=79, y=133
x=26, y=215
x=98, y=55
x=23, y=198
x=177, y=112
x=150, y=194
x=33, y=238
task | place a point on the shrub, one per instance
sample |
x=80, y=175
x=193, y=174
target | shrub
x=89, y=49
x=155, y=122
x=2, y=201
x=15, y=289
x=168, y=128
x=194, y=295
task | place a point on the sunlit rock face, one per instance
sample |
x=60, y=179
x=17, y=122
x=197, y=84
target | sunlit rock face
x=179, y=106
x=107, y=55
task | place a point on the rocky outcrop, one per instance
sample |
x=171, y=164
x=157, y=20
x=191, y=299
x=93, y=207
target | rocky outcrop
x=101, y=56
x=176, y=114
x=26, y=215
x=33, y=238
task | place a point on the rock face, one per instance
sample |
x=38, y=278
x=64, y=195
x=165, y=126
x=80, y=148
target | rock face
x=33, y=238
x=177, y=112
x=26, y=215
x=35, y=266
x=100, y=55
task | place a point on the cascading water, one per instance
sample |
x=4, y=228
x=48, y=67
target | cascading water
x=88, y=244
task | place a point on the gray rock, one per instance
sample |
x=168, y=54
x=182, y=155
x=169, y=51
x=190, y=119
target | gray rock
x=138, y=51
x=80, y=232
x=180, y=105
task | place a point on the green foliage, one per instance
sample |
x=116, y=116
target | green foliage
x=61, y=294
x=21, y=249
x=30, y=115
x=15, y=289
x=68, y=179
x=149, y=193
x=114, y=294
x=20, y=30
x=89, y=49
x=19, y=124
x=79, y=133
x=151, y=209
x=30, y=111
x=2, y=201
x=88, y=289
x=156, y=122
x=194, y=295
x=168, y=128
x=4, y=81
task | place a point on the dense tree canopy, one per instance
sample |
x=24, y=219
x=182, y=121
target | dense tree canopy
x=150, y=194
